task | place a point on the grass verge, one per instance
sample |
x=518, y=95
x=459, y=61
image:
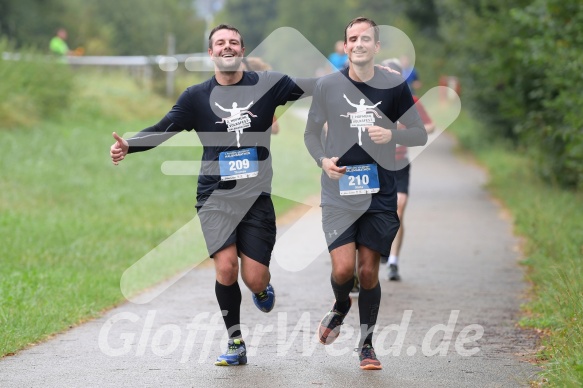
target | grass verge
x=550, y=219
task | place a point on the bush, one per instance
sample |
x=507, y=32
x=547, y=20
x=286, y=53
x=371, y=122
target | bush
x=33, y=87
x=552, y=55
x=522, y=67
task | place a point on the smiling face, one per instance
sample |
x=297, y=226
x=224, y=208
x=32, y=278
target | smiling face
x=361, y=45
x=226, y=50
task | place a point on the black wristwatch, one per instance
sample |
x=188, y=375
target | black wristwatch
x=319, y=161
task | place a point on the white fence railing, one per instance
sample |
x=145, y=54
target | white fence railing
x=193, y=62
x=140, y=66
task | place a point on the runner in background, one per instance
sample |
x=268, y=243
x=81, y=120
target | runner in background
x=402, y=176
x=410, y=74
x=338, y=59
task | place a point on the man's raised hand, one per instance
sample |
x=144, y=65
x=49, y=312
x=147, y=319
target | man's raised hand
x=119, y=149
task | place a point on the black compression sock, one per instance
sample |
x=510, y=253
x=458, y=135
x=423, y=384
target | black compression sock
x=229, y=298
x=342, y=294
x=368, y=306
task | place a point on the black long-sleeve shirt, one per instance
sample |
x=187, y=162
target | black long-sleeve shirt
x=214, y=111
x=344, y=104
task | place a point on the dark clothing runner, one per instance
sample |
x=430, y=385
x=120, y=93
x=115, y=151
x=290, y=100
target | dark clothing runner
x=349, y=107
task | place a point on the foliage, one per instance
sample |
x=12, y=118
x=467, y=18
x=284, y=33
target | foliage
x=254, y=18
x=553, y=54
x=32, y=87
x=136, y=27
x=106, y=27
x=423, y=13
x=322, y=23
x=31, y=23
x=521, y=64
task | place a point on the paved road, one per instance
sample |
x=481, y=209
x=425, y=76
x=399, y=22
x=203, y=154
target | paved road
x=460, y=276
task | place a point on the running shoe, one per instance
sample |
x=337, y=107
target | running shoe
x=236, y=354
x=394, y=272
x=330, y=325
x=265, y=300
x=368, y=358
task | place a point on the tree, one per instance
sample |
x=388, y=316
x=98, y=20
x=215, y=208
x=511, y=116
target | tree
x=521, y=65
x=106, y=27
x=254, y=18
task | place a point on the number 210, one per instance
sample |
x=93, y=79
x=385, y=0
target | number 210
x=358, y=180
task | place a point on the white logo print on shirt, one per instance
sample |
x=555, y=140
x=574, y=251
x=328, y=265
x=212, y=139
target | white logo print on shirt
x=238, y=120
x=363, y=117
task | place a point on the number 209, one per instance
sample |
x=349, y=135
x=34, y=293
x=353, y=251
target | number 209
x=238, y=164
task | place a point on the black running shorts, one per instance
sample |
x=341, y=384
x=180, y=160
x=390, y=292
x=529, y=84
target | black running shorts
x=374, y=229
x=249, y=223
x=402, y=179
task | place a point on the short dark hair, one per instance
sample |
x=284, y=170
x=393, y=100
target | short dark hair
x=362, y=19
x=224, y=27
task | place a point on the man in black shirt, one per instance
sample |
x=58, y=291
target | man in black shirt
x=361, y=106
x=232, y=114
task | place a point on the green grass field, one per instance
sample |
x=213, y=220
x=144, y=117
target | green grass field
x=72, y=223
x=551, y=221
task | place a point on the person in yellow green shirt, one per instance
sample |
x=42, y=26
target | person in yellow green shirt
x=58, y=44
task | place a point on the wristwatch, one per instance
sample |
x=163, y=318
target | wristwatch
x=319, y=161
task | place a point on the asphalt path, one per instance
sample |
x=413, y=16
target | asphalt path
x=450, y=322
